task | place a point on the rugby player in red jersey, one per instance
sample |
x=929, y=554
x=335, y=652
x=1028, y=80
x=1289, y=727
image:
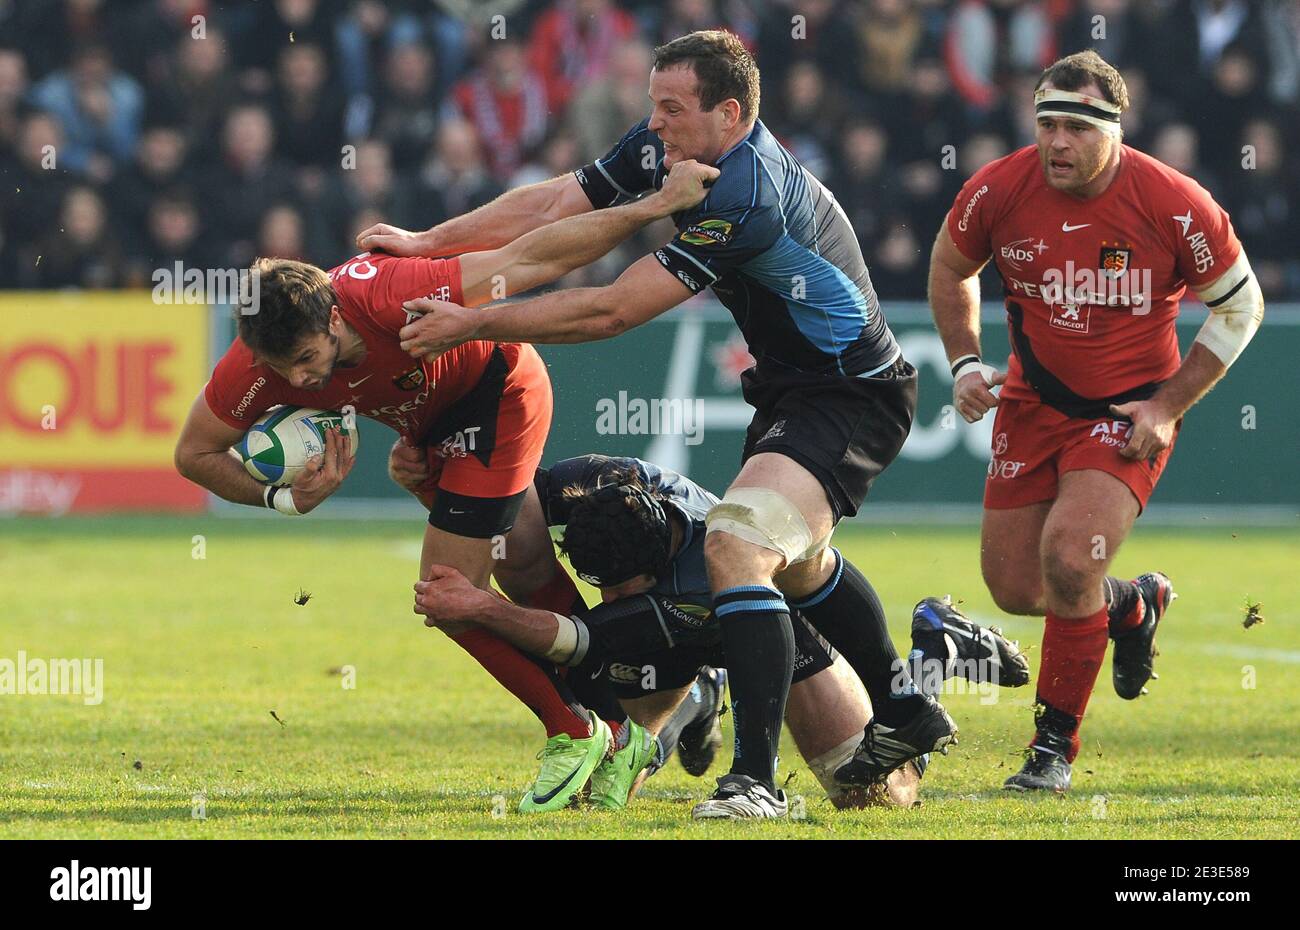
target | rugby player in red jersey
x=1096, y=244
x=330, y=340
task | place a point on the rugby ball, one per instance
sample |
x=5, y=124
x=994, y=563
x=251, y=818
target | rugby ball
x=277, y=447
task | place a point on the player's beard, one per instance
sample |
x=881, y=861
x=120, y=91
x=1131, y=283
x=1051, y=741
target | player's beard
x=334, y=363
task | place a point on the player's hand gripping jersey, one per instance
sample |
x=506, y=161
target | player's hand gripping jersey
x=1092, y=286
x=775, y=247
x=483, y=409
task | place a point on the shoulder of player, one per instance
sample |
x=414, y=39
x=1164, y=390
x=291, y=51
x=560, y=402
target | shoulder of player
x=634, y=139
x=1001, y=184
x=1161, y=184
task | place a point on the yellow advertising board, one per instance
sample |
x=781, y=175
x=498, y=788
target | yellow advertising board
x=94, y=387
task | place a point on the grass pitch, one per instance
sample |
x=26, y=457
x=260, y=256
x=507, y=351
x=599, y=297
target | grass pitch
x=225, y=711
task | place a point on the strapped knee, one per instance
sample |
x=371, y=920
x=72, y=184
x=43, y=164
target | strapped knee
x=766, y=518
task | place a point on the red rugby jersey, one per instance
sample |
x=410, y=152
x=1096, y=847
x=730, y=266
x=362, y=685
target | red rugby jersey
x=389, y=385
x=1093, y=286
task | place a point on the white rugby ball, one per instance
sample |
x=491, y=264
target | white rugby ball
x=277, y=447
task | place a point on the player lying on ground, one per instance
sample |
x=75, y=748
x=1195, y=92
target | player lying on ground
x=480, y=416
x=1096, y=243
x=834, y=398
x=637, y=532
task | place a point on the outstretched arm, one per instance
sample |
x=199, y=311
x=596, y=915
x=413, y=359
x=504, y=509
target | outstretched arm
x=491, y=226
x=584, y=314
x=553, y=251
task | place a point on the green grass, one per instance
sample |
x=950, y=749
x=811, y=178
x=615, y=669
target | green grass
x=197, y=653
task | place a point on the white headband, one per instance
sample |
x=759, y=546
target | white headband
x=1100, y=113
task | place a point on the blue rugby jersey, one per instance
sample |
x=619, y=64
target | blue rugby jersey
x=774, y=245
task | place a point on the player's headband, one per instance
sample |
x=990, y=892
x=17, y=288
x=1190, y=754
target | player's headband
x=1100, y=113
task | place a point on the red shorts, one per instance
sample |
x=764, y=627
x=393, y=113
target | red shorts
x=489, y=443
x=1034, y=444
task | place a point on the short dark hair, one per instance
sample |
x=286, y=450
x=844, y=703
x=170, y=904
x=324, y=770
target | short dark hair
x=294, y=300
x=1076, y=71
x=723, y=68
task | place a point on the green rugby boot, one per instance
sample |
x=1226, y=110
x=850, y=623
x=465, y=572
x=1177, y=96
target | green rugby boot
x=613, y=779
x=567, y=764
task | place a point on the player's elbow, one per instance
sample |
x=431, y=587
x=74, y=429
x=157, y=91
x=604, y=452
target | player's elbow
x=606, y=318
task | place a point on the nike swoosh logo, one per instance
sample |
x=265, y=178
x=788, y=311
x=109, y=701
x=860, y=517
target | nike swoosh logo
x=556, y=790
x=1066, y=227
x=353, y=384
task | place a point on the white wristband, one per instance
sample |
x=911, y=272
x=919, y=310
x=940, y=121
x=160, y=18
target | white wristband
x=572, y=639
x=284, y=502
x=972, y=363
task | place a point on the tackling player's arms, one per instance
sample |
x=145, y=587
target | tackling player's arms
x=490, y=226
x=550, y=252
x=585, y=314
x=203, y=456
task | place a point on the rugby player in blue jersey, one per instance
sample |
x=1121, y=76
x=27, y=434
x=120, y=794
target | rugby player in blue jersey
x=833, y=397
x=637, y=531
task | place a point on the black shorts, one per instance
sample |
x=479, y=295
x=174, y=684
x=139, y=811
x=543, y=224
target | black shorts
x=844, y=430
x=670, y=669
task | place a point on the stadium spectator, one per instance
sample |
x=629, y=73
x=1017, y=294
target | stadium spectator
x=454, y=180
x=159, y=164
x=99, y=108
x=603, y=109
x=82, y=253
x=505, y=102
x=573, y=45
x=404, y=117
x=926, y=78
x=244, y=183
x=173, y=233
x=308, y=113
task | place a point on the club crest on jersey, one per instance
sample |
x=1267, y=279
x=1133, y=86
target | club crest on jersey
x=1114, y=262
x=707, y=232
x=412, y=380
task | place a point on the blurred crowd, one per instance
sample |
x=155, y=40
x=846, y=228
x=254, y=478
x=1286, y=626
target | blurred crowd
x=138, y=133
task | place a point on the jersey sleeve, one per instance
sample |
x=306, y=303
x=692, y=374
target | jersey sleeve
x=376, y=286
x=239, y=391
x=627, y=171
x=1205, y=243
x=970, y=221
x=735, y=223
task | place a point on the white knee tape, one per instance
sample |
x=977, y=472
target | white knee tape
x=825, y=765
x=764, y=518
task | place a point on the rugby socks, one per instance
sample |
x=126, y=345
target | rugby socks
x=1073, y=651
x=759, y=644
x=847, y=611
x=1124, y=607
x=586, y=680
x=534, y=681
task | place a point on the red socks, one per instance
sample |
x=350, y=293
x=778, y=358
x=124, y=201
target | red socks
x=1073, y=651
x=526, y=679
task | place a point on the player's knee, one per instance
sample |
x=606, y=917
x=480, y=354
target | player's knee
x=761, y=526
x=1068, y=573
